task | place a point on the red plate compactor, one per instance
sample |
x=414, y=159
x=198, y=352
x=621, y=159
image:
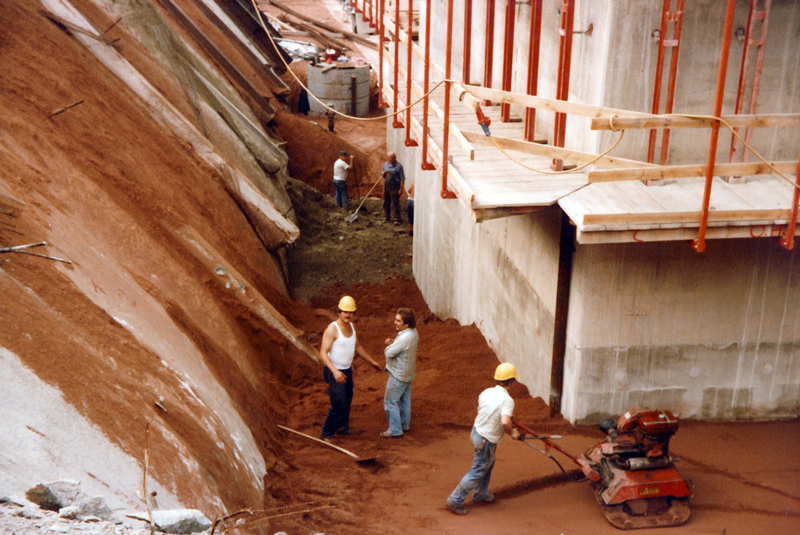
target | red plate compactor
x=632, y=474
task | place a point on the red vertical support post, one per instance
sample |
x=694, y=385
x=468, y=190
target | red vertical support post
x=447, y=194
x=467, y=40
x=508, y=56
x=365, y=11
x=533, y=66
x=396, y=122
x=409, y=141
x=564, y=64
x=673, y=44
x=752, y=16
x=372, y=18
x=426, y=165
x=381, y=102
x=788, y=240
x=488, y=54
x=699, y=244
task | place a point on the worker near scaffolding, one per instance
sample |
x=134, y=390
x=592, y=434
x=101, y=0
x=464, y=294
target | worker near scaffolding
x=393, y=180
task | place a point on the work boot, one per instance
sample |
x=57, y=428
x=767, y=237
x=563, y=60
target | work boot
x=489, y=498
x=461, y=511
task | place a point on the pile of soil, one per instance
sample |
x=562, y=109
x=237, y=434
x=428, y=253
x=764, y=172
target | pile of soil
x=332, y=249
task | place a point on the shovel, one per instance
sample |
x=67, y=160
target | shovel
x=359, y=460
x=352, y=217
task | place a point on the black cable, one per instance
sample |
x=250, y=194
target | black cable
x=574, y=480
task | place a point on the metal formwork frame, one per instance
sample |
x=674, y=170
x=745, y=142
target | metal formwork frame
x=788, y=240
x=467, y=41
x=426, y=165
x=676, y=18
x=753, y=15
x=488, y=54
x=396, y=122
x=410, y=142
x=508, y=57
x=533, y=66
x=381, y=14
x=447, y=194
x=564, y=63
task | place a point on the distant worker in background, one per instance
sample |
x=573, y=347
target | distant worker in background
x=331, y=115
x=393, y=180
x=340, y=170
x=339, y=348
x=410, y=210
x=401, y=363
x=495, y=409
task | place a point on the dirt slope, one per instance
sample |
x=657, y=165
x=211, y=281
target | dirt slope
x=136, y=316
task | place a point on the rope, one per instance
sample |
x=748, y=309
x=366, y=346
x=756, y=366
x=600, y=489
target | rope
x=549, y=172
x=740, y=138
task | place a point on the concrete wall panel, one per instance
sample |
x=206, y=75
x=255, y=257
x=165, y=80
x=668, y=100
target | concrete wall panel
x=662, y=318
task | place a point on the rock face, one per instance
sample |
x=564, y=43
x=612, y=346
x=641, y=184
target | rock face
x=177, y=520
x=66, y=496
x=44, y=498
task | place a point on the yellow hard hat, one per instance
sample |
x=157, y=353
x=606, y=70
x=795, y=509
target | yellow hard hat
x=347, y=304
x=505, y=371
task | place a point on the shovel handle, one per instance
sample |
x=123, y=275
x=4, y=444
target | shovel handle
x=367, y=195
x=350, y=453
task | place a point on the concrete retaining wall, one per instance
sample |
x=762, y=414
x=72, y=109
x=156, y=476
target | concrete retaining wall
x=712, y=336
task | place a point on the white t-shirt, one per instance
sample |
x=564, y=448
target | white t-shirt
x=493, y=403
x=340, y=170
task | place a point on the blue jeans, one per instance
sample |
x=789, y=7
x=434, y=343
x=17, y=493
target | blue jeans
x=341, y=193
x=397, y=404
x=478, y=476
x=341, y=397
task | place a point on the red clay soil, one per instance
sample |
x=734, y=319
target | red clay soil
x=744, y=475
x=91, y=199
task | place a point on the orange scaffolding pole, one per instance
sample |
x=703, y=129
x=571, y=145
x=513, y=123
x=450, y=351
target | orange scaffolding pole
x=699, y=244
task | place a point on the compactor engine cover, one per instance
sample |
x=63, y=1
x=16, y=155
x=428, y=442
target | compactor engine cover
x=634, y=477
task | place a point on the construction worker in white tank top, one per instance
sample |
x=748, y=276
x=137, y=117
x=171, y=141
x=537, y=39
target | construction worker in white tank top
x=339, y=348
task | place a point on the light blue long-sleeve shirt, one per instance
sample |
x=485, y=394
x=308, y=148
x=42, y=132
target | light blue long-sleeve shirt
x=401, y=355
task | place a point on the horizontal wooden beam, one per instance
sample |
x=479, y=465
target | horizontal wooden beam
x=550, y=151
x=662, y=121
x=688, y=171
x=485, y=214
x=680, y=234
x=666, y=218
x=540, y=103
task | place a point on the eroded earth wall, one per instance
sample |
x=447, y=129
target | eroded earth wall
x=160, y=199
